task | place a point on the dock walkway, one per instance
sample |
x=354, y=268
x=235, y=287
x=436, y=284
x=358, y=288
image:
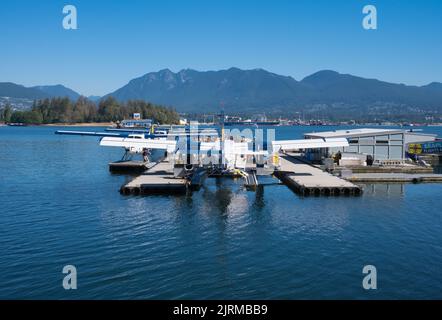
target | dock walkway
x=307, y=179
x=159, y=179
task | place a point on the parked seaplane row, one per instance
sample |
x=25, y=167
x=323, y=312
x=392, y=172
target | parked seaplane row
x=229, y=148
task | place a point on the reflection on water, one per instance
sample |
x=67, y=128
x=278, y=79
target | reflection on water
x=385, y=190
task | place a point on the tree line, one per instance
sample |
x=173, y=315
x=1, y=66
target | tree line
x=64, y=110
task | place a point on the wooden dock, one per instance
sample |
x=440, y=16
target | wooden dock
x=159, y=179
x=306, y=179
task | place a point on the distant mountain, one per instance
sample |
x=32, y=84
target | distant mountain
x=434, y=86
x=190, y=90
x=332, y=87
x=21, y=97
x=9, y=89
x=325, y=93
x=58, y=91
x=262, y=91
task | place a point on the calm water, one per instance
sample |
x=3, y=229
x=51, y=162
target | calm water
x=60, y=205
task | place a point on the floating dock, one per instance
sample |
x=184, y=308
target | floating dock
x=159, y=179
x=394, y=177
x=307, y=180
x=404, y=169
x=130, y=166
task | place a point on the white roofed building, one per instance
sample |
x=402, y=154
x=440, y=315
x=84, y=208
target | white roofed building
x=381, y=144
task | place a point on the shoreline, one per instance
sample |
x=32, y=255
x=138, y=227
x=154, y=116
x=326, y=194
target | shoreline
x=81, y=124
x=110, y=124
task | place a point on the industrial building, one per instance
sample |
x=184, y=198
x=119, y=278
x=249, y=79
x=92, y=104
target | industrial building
x=380, y=144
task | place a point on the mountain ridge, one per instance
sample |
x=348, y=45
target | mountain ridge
x=256, y=91
x=13, y=90
x=58, y=90
x=10, y=89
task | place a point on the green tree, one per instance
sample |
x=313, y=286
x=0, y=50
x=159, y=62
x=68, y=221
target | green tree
x=28, y=117
x=7, y=113
x=109, y=110
x=63, y=110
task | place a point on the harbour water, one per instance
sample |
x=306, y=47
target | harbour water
x=61, y=206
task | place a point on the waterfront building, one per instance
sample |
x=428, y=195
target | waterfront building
x=381, y=144
x=136, y=123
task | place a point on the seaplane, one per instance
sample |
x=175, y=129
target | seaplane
x=208, y=152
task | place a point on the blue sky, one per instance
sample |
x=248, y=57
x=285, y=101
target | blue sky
x=120, y=40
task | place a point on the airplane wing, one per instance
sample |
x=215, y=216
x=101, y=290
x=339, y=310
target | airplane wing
x=87, y=133
x=137, y=145
x=308, y=144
